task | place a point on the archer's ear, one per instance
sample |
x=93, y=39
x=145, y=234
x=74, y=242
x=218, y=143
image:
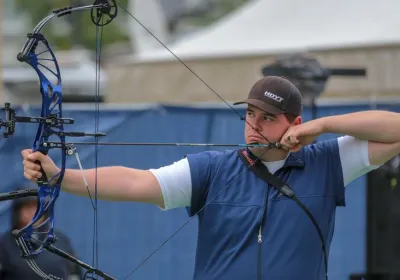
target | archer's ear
x=298, y=120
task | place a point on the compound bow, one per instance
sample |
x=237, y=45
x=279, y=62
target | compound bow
x=38, y=234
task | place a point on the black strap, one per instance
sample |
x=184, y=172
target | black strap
x=261, y=171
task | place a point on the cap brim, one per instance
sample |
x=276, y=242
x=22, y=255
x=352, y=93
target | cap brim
x=266, y=107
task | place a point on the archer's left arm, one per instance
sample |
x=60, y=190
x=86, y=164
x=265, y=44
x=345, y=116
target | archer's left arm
x=380, y=128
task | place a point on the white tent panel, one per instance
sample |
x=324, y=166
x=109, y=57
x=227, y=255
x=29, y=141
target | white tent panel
x=271, y=26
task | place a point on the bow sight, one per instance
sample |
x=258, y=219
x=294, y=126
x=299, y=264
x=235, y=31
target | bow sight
x=50, y=121
x=11, y=118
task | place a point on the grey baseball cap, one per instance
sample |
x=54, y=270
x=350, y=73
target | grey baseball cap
x=275, y=95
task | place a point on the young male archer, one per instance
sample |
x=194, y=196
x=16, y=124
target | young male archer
x=247, y=230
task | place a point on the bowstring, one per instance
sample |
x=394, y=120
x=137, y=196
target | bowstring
x=99, y=39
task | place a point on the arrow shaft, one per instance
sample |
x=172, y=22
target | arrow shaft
x=58, y=144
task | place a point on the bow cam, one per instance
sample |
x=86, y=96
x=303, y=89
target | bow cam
x=103, y=12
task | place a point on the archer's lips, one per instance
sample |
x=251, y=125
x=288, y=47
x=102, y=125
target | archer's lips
x=256, y=139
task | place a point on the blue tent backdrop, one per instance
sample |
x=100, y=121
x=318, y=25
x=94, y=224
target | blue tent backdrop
x=129, y=232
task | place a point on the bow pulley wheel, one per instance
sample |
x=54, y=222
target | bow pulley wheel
x=104, y=12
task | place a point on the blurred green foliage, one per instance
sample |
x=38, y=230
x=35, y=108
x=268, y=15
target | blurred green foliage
x=76, y=28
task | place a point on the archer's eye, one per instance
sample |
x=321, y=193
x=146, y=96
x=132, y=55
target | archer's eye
x=250, y=114
x=269, y=118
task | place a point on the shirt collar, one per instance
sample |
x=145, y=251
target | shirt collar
x=292, y=160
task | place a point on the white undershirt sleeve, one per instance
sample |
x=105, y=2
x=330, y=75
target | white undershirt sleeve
x=354, y=158
x=176, y=184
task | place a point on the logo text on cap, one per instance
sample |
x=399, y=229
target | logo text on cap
x=273, y=96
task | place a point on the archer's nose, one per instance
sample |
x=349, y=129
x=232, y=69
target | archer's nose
x=256, y=126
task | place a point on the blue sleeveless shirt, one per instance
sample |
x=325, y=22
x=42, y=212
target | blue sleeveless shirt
x=239, y=206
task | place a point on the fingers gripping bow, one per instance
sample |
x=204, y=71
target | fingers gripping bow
x=38, y=234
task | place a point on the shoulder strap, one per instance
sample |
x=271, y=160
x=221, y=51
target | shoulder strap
x=261, y=171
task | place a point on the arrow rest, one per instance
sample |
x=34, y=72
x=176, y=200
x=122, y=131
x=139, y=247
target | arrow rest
x=69, y=150
x=104, y=8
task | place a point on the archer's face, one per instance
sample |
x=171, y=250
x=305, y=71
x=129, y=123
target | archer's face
x=272, y=127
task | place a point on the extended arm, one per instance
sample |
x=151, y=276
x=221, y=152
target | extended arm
x=113, y=183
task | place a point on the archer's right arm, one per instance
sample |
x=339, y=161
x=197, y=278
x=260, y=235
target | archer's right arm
x=113, y=183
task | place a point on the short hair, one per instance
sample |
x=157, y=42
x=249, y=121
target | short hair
x=290, y=117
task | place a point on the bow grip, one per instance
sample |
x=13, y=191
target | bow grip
x=42, y=180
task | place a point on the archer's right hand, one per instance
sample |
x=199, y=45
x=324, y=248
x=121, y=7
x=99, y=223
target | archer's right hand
x=32, y=169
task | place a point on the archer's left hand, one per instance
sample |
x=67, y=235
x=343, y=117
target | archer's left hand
x=301, y=135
